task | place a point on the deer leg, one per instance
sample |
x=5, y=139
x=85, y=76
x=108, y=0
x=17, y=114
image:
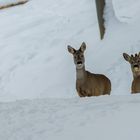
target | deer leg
x=97, y=92
x=80, y=95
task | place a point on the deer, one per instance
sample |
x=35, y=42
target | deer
x=134, y=61
x=88, y=84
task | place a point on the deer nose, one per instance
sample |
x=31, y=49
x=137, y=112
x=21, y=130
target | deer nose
x=79, y=62
x=136, y=66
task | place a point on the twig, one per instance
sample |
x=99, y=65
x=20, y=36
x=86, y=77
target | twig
x=13, y=4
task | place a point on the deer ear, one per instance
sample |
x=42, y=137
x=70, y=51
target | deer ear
x=126, y=57
x=83, y=47
x=71, y=50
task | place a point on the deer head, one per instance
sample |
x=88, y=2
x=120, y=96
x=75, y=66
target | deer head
x=134, y=61
x=78, y=55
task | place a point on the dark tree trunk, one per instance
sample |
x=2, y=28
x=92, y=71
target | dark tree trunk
x=100, y=4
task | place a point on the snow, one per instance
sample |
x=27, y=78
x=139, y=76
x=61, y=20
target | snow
x=34, y=59
x=37, y=46
x=5, y=2
x=38, y=99
x=126, y=11
x=108, y=117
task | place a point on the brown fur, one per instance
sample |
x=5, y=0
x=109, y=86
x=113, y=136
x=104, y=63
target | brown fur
x=93, y=85
x=135, y=67
x=13, y=4
x=136, y=85
x=88, y=84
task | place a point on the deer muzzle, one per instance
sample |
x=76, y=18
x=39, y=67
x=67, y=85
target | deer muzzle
x=136, y=67
x=79, y=64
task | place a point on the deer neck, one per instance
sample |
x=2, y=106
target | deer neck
x=136, y=75
x=81, y=73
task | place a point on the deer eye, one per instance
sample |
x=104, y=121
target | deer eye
x=132, y=62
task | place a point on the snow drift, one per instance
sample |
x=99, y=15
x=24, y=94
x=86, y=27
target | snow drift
x=110, y=117
x=34, y=63
x=33, y=47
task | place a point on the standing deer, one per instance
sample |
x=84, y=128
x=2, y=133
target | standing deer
x=88, y=84
x=135, y=67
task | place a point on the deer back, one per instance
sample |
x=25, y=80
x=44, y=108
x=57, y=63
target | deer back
x=93, y=85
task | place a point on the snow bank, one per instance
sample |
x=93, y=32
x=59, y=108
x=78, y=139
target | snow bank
x=106, y=117
x=34, y=58
x=34, y=63
x=33, y=48
x=126, y=11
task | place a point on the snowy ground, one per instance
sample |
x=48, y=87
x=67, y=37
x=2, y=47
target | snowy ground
x=33, y=47
x=108, y=118
x=35, y=65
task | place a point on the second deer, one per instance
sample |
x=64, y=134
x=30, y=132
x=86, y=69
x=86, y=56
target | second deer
x=88, y=84
x=135, y=67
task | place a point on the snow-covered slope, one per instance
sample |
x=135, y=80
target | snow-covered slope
x=107, y=118
x=34, y=63
x=33, y=47
x=126, y=11
x=34, y=59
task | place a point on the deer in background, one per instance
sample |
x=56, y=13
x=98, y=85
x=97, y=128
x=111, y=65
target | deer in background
x=135, y=67
x=88, y=84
